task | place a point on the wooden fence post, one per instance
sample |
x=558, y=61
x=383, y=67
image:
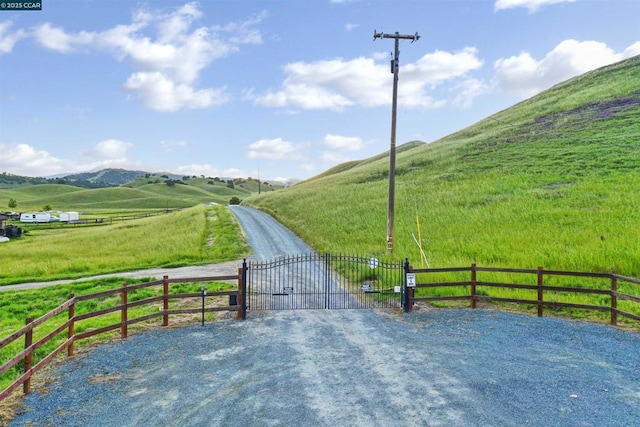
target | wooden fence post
x=28, y=358
x=123, y=311
x=540, y=293
x=473, y=285
x=165, y=300
x=614, y=298
x=72, y=326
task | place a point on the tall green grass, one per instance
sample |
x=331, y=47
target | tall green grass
x=17, y=306
x=553, y=181
x=197, y=235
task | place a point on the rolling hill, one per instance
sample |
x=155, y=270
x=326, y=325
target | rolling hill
x=553, y=181
x=147, y=192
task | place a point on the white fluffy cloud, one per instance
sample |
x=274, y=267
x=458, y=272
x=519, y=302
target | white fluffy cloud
x=110, y=153
x=169, y=146
x=57, y=39
x=526, y=76
x=336, y=84
x=24, y=159
x=160, y=93
x=167, y=50
x=111, y=149
x=275, y=149
x=336, y=147
x=208, y=170
x=7, y=38
x=532, y=5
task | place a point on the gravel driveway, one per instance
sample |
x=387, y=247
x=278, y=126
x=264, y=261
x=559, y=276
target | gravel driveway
x=356, y=368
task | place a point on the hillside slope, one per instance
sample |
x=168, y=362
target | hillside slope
x=147, y=192
x=551, y=181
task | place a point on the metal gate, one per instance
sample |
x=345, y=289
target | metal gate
x=323, y=281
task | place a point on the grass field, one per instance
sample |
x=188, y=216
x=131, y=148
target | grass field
x=16, y=306
x=553, y=181
x=196, y=235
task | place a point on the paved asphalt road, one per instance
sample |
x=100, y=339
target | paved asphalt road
x=351, y=368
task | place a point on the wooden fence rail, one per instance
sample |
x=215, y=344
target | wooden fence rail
x=611, y=290
x=26, y=356
x=470, y=290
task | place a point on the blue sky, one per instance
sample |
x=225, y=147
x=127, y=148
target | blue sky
x=276, y=89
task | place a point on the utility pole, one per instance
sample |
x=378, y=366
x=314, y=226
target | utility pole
x=395, y=66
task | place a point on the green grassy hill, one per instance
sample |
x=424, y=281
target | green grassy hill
x=552, y=181
x=150, y=192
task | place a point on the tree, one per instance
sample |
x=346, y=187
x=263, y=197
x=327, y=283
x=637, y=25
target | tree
x=12, y=204
x=234, y=201
x=46, y=208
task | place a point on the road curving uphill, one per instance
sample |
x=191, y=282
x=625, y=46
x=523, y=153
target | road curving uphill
x=351, y=367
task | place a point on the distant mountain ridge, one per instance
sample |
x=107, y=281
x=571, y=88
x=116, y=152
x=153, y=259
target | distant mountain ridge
x=107, y=176
x=110, y=177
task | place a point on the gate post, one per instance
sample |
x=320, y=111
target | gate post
x=244, y=289
x=406, y=300
x=327, y=279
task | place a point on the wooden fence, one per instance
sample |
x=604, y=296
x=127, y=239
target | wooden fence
x=546, y=295
x=86, y=222
x=26, y=356
x=608, y=290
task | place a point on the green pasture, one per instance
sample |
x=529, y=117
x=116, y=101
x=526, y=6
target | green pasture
x=553, y=181
x=168, y=240
x=17, y=306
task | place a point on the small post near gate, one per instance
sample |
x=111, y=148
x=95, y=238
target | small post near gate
x=165, y=301
x=540, y=291
x=28, y=358
x=123, y=311
x=474, y=281
x=204, y=294
x=614, y=298
x=72, y=328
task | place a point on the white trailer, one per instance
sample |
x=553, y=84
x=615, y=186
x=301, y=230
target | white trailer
x=69, y=216
x=37, y=217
